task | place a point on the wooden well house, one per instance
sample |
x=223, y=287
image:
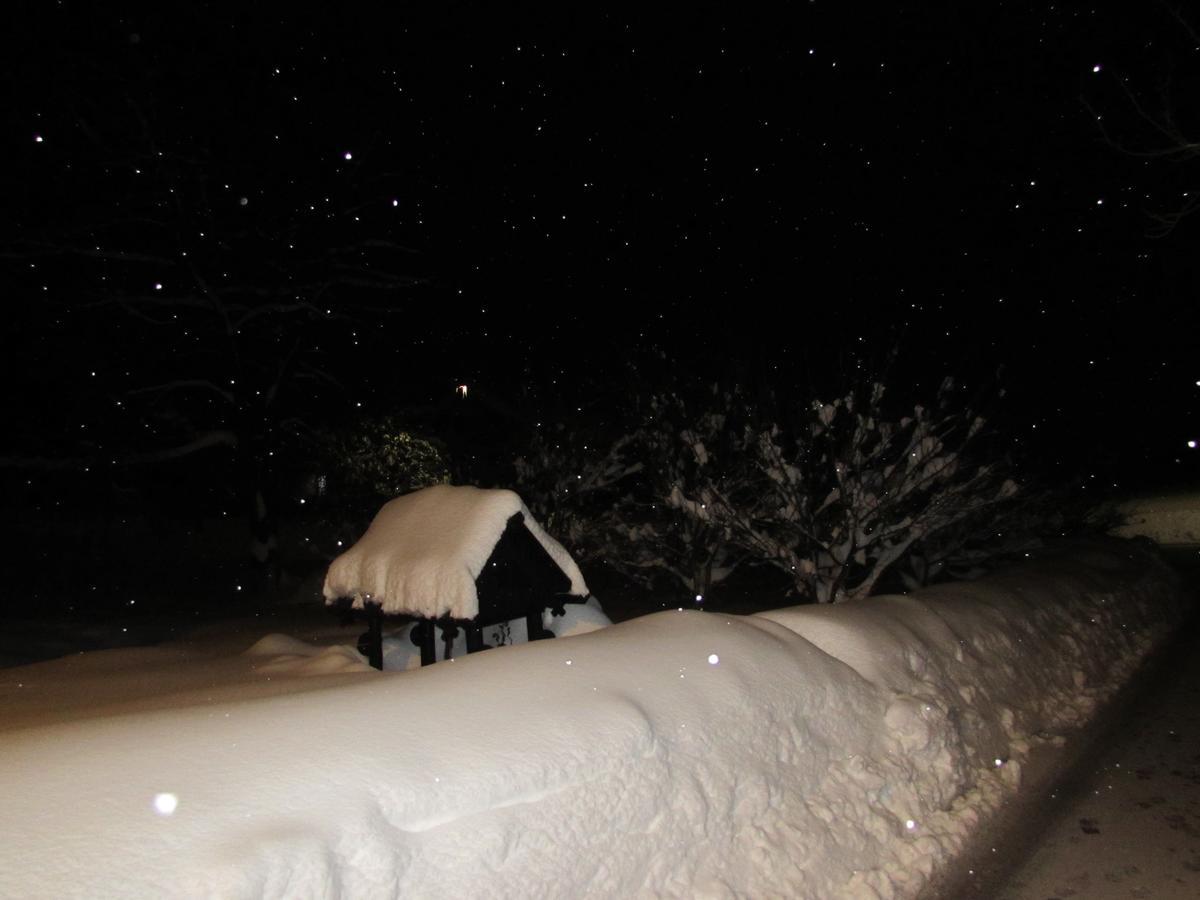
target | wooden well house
x=450, y=558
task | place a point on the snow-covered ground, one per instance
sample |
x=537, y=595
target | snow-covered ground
x=822, y=752
x=1169, y=519
x=1127, y=824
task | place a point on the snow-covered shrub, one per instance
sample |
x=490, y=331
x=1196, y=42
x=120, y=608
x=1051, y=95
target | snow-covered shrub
x=352, y=471
x=1003, y=533
x=383, y=457
x=684, y=443
x=611, y=502
x=848, y=490
x=572, y=485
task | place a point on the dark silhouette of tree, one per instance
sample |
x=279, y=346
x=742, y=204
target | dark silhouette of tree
x=214, y=285
x=1142, y=110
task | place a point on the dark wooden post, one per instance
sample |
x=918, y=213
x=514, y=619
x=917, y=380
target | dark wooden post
x=375, y=635
x=449, y=633
x=428, y=645
x=533, y=625
x=474, y=638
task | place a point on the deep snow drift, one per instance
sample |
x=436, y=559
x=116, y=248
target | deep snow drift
x=823, y=752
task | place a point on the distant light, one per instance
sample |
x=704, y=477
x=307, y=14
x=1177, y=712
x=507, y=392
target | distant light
x=395, y=203
x=699, y=598
x=461, y=390
x=158, y=285
x=713, y=659
x=243, y=201
x=910, y=824
x=37, y=139
x=1192, y=444
x=1095, y=68
x=165, y=804
x=347, y=155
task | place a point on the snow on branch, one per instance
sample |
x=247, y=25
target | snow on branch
x=848, y=491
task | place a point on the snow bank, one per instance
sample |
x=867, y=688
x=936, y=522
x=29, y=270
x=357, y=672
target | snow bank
x=1170, y=519
x=423, y=551
x=810, y=752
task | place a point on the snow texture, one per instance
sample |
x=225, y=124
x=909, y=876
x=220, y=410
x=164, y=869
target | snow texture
x=423, y=551
x=1171, y=520
x=813, y=752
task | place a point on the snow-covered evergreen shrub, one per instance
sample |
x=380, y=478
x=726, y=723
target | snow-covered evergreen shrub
x=382, y=457
x=353, y=471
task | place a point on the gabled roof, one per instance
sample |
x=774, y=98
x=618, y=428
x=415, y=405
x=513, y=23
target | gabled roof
x=424, y=551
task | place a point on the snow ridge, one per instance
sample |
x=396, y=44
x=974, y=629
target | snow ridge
x=823, y=752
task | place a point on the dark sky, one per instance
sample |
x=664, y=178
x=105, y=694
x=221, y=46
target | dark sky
x=757, y=194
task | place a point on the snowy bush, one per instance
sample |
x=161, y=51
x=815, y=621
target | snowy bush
x=611, y=502
x=382, y=457
x=834, y=499
x=849, y=491
x=354, y=470
x=572, y=485
x=683, y=443
x=997, y=534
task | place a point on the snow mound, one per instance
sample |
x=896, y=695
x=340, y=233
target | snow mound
x=289, y=656
x=810, y=752
x=423, y=551
x=1172, y=519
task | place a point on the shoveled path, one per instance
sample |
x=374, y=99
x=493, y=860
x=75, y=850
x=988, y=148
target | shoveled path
x=1124, y=820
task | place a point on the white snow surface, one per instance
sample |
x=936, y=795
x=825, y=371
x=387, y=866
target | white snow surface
x=1169, y=519
x=423, y=551
x=811, y=752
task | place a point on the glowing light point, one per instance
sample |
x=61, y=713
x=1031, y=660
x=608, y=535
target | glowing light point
x=165, y=804
x=910, y=824
x=37, y=139
x=999, y=762
x=699, y=598
x=1095, y=69
x=1192, y=444
x=158, y=285
x=569, y=662
x=461, y=390
x=713, y=659
x=347, y=155
x=395, y=203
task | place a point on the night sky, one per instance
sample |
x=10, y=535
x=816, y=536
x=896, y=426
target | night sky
x=550, y=205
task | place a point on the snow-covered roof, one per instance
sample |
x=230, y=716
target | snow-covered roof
x=423, y=551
